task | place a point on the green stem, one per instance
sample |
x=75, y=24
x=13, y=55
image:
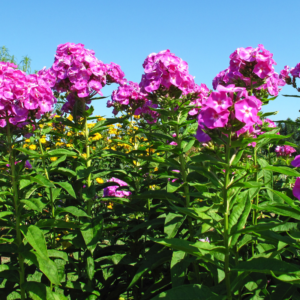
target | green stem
x=16, y=205
x=184, y=174
x=256, y=199
x=88, y=164
x=226, y=219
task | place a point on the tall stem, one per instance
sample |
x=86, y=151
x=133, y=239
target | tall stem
x=256, y=199
x=184, y=174
x=16, y=205
x=226, y=219
x=47, y=176
x=88, y=164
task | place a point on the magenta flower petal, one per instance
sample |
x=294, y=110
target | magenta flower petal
x=296, y=162
x=296, y=189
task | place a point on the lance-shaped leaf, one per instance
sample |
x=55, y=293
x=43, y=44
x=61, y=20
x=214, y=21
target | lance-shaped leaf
x=188, y=292
x=68, y=187
x=173, y=222
x=283, y=170
x=91, y=232
x=75, y=211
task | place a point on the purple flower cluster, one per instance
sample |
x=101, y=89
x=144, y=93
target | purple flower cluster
x=163, y=70
x=202, y=95
x=112, y=191
x=145, y=111
x=77, y=70
x=127, y=95
x=284, y=150
x=22, y=96
x=251, y=68
x=227, y=106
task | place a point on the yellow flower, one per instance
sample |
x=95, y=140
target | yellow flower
x=84, y=155
x=48, y=148
x=43, y=140
x=135, y=128
x=110, y=205
x=136, y=163
x=53, y=158
x=41, y=125
x=90, y=125
x=100, y=118
x=136, y=116
x=40, y=195
x=155, y=169
x=69, y=145
x=100, y=180
x=50, y=124
x=25, y=145
x=27, y=141
x=32, y=147
x=70, y=117
x=69, y=133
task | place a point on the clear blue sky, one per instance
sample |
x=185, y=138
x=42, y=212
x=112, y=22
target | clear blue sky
x=203, y=33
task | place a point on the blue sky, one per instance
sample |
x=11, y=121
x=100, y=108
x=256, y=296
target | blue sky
x=203, y=33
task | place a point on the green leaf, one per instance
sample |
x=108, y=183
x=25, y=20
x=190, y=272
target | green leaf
x=282, y=210
x=189, y=145
x=61, y=152
x=51, y=223
x=173, y=222
x=72, y=210
x=36, y=239
x=90, y=267
x=173, y=186
x=248, y=184
x=34, y=204
x=266, y=265
x=58, y=161
x=155, y=257
x=38, y=291
x=68, y=187
x=46, y=265
x=179, y=265
x=42, y=181
x=188, y=292
x=239, y=216
x=91, y=232
x=283, y=170
x=5, y=213
x=58, y=254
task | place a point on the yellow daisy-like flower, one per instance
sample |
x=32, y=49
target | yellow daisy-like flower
x=136, y=163
x=100, y=180
x=101, y=118
x=155, y=169
x=27, y=141
x=32, y=147
x=135, y=128
x=69, y=145
x=41, y=125
x=69, y=133
x=53, y=158
x=110, y=205
x=84, y=155
x=43, y=140
x=25, y=145
x=48, y=148
x=136, y=116
x=91, y=125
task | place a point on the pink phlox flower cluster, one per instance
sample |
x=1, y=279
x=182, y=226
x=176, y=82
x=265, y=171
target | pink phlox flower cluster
x=225, y=105
x=284, y=150
x=149, y=115
x=296, y=162
x=165, y=69
x=112, y=191
x=295, y=72
x=246, y=62
x=296, y=189
x=78, y=70
x=21, y=94
x=127, y=95
x=202, y=94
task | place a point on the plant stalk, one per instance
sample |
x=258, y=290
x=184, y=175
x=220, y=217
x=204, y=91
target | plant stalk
x=226, y=219
x=16, y=204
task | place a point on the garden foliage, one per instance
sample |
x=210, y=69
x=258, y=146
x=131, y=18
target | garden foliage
x=189, y=194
